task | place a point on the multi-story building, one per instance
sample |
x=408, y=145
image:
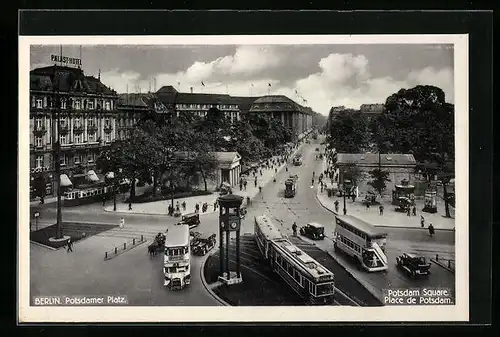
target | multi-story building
x=88, y=114
x=291, y=114
x=198, y=104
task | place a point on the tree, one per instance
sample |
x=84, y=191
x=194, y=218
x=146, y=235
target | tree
x=349, y=132
x=352, y=172
x=378, y=179
x=418, y=121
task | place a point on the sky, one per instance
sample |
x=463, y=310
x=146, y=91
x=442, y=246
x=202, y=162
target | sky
x=318, y=76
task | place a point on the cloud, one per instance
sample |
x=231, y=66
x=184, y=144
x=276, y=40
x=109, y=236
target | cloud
x=341, y=79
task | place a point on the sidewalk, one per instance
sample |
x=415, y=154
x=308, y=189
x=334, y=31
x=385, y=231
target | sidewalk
x=161, y=207
x=391, y=218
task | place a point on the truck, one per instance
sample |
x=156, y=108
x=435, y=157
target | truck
x=291, y=186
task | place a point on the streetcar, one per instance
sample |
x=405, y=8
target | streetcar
x=362, y=241
x=86, y=194
x=308, y=278
x=291, y=186
x=176, y=266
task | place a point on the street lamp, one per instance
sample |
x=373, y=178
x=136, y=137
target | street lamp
x=36, y=215
x=56, y=149
x=345, y=186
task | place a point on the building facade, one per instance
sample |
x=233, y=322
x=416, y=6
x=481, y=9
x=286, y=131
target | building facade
x=198, y=104
x=292, y=115
x=88, y=116
x=399, y=166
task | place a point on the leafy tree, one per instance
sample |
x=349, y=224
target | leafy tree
x=418, y=121
x=349, y=132
x=352, y=172
x=378, y=179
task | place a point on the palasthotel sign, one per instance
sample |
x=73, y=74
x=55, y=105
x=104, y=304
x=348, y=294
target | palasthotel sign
x=65, y=59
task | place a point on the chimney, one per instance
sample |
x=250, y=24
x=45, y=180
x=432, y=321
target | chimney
x=191, y=89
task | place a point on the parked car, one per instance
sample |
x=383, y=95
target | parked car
x=192, y=237
x=190, y=219
x=313, y=230
x=203, y=244
x=413, y=264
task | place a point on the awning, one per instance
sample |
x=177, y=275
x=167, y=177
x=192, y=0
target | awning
x=92, y=176
x=110, y=175
x=65, y=182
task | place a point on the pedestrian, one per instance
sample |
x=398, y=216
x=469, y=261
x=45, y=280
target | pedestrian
x=255, y=182
x=260, y=172
x=431, y=230
x=184, y=205
x=197, y=208
x=241, y=185
x=294, y=229
x=381, y=209
x=275, y=170
x=177, y=205
x=414, y=211
x=422, y=221
x=122, y=222
x=312, y=181
x=248, y=201
x=70, y=246
x=336, y=203
x=260, y=189
x=286, y=168
x=245, y=185
x=177, y=209
x=408, y=211
x=367, y=205
x=103, y=200
x=129, y=206
x=42, y=200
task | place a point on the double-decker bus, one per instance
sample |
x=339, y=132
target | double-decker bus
x=308, y=278
x=176, y=266
x=362, y=241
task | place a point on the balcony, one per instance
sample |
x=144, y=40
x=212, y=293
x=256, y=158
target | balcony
x=39, y=131
x=63, y=129
x=107, y=128
x=91, y=129
x=78, y=129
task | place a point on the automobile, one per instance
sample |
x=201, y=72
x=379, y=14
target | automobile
x=297, y=161
x=317, y=149
x=203, y=244
x=192, y=237
x=225, y=188
x=190, y=219
x=313, y=230
x=413, y=264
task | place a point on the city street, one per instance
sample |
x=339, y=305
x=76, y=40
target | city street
x=135, y=274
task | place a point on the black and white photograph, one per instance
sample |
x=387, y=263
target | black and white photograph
x=286, y=177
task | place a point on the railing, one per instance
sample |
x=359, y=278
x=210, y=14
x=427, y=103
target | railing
x=123, y=248
x=445, y=263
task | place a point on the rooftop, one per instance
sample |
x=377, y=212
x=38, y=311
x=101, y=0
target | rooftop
x=177, y=235
x=267, y=227
x=388, y=159
x=66, y=79
x=361, y=225
x=272, y=103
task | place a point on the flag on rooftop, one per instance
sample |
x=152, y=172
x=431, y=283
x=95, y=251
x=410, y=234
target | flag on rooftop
x=203, y=84
x=270, y=84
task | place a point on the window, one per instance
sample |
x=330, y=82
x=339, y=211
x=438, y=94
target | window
x=62, y=160
x=90, y=157
x=38, y=123
x=78, y=138
x=107, y=137
x=77, y=104
x=63, y=122
x=91, y=122
x=39, y=103
x=92, y=137
x=107, y=106
x=63, y=103
x=63, y=139
x=107, y=123
x=78, y=158
x=78, y=122
x=38, y=141
x=90, y=105
x=39, y=161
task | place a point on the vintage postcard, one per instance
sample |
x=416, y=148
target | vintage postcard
x=243, y=178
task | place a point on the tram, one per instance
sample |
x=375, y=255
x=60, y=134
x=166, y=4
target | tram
x=308, y=278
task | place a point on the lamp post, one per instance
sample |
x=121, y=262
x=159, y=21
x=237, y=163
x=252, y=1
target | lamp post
x=36, y=215
x=346, y=184
x=56, y=150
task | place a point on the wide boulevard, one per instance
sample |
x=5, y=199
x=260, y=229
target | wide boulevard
x=135, y=274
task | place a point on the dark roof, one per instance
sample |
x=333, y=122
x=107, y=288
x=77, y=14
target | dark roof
x=244, y=103
x=361, y=225
x=373, y=159
x=66, y=79
x=273, y=103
